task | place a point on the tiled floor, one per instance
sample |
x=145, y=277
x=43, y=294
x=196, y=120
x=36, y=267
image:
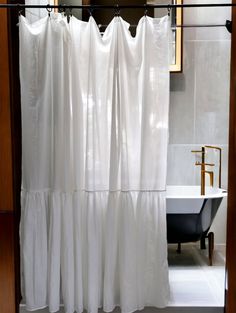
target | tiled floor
x=192, y=281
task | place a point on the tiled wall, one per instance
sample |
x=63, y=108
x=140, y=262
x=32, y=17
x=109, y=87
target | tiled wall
x=199, y=102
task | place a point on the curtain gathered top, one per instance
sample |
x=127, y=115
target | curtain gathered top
x=94, y=158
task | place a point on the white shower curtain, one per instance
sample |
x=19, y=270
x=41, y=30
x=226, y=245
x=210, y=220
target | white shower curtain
x=94, y=139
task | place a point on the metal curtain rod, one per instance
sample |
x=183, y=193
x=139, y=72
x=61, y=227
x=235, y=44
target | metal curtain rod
x=181, y=26
x=228, y=25
x=117, y=6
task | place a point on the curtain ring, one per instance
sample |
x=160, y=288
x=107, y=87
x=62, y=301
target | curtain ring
x=146, y=10
x=90, y=11
x=20, y=9
x=69, y=14
x=70, y=11
x=168, y=9
x=60, y=9
x=49, y=9
x=117, y=10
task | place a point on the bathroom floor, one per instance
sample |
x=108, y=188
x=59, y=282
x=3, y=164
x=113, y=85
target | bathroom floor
x=193, y=282
x=195, y=287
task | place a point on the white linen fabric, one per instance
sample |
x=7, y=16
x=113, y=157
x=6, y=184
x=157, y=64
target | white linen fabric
x=94, y=156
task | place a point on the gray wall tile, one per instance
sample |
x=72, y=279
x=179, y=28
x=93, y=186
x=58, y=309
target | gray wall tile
x=206, y=16
x=182, y=99
x=181, y=168
x=212, y=91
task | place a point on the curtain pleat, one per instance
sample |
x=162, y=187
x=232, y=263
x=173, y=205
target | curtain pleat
x=94, y=153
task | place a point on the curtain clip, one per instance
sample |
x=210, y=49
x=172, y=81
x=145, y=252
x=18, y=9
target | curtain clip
x=90, y=11
x=49, y=9
x=146, y=10
x=61, y=9
x=117, y=10
x=168, y=10
x=70, y=11
x=68, y=14
x=20, y=9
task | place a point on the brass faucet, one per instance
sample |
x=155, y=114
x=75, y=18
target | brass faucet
x=203, y=170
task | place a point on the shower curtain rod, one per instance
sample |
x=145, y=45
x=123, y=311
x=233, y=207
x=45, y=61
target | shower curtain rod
x=183, y=25
x=117, y=6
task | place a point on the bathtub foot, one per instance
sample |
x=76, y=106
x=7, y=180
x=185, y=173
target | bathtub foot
x=210, y=246
x=179, y=248
x=203, y=243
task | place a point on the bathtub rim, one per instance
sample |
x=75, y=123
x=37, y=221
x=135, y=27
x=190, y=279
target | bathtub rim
x=193, y=192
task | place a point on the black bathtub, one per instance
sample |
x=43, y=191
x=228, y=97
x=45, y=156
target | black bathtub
x=190, y=215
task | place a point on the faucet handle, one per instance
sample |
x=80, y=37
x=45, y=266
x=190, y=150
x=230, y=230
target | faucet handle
x=198, y=151
x=207, y=164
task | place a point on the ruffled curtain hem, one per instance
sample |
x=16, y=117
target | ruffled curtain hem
x=94, y=248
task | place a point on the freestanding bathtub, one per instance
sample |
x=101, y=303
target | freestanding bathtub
x=190, y=215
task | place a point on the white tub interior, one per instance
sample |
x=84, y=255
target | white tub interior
x=188, y=199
